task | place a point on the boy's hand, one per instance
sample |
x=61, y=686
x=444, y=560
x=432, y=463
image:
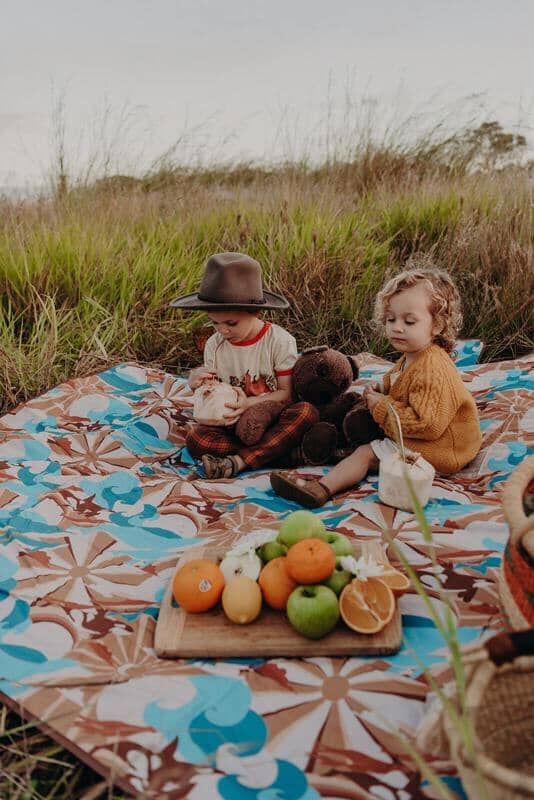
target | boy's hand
x=198, y=375
x=371, y=396
x=237, y=408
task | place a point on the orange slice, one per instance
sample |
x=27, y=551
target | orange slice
x=397, y=581
x=367, y=606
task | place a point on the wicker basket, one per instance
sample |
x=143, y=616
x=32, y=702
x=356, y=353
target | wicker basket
x=500, y=695
x=516, y=576
x=500, y=692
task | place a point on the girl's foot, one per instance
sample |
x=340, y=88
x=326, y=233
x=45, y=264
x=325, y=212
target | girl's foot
x=307, y=492
x=215, y=467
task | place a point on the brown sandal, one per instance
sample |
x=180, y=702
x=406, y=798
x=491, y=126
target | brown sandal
x=307, y=492
x=215, y=467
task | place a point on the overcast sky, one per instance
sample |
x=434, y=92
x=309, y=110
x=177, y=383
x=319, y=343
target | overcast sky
x=245, y=78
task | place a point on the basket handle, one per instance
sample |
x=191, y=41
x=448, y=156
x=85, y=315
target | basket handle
x=393, y=411
x=505, y=647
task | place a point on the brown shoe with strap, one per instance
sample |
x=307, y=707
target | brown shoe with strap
x=308, y=492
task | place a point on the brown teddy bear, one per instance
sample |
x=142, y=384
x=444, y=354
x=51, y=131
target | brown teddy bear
x=321, y=376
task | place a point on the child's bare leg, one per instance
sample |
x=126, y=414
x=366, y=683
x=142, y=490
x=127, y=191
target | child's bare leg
x=351, y=470
x=314, y=493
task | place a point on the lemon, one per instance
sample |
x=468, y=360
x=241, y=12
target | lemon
x=241, y=599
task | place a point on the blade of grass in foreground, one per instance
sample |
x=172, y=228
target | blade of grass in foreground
x=460, y=720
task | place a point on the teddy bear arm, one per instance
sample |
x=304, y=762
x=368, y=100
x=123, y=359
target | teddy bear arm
x=336, y=411
x=359, y=426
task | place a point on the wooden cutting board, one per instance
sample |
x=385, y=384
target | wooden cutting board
x=212, y=635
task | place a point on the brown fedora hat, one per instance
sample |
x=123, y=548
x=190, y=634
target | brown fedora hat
x=231, y=280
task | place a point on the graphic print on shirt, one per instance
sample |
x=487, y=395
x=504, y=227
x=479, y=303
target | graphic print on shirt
x=256, y=365
x=254, y=386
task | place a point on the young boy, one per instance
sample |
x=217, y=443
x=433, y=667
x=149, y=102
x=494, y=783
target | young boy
x=255, y=356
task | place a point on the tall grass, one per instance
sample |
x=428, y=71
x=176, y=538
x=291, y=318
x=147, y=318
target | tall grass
x=34, y=767
x=87, y=276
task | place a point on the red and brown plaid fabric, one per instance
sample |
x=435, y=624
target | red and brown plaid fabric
x=207, y=439
x=278, y=440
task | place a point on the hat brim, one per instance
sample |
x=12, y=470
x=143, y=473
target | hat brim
x=192, y=302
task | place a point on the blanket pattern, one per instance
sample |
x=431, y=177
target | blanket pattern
x=93, y=517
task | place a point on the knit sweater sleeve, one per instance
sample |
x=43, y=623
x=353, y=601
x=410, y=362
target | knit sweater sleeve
x=428, y=412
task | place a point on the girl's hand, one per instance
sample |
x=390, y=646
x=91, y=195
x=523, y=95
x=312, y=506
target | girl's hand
x=237, y=408
x=198, y=375
x=371, y=397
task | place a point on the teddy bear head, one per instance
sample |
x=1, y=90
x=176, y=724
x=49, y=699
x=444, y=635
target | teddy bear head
x=321, y=374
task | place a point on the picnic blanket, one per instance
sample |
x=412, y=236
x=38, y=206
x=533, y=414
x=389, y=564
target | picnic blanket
x=93, y=518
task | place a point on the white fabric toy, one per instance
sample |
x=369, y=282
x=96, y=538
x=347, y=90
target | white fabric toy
x=209, y=402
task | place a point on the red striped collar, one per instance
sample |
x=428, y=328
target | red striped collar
x=259, y=335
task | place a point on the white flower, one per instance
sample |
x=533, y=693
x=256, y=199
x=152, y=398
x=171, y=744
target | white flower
x=251, y=541
x=362, y=568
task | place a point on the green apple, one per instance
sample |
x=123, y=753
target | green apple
x=300, y=525
x=338, y=579
x=271, y=550
x=312, y=610
x=340, y=543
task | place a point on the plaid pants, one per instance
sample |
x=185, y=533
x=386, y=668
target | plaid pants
x=277, y=441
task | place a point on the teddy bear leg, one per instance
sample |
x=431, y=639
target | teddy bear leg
x=341, y=453
x=255, y=420
x=359, y=427
x=319, y=443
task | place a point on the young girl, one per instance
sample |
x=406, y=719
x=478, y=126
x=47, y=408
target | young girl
x=420, y=312
x=254, y=356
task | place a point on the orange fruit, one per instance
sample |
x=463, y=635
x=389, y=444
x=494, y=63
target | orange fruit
x=276, y=583
x=397, y=581
x=198, y=585
x=310, y=561
x=367, y=606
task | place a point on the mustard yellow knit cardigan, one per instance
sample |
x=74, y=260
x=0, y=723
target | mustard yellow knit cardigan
x=438, y=415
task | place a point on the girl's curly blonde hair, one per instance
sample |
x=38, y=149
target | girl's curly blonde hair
x=443, y=296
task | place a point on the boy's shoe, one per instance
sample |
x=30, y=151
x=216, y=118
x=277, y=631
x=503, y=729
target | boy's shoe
x=215, y=467
x=307, y=492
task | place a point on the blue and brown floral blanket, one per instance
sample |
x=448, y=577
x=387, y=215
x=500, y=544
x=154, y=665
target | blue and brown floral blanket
x=92, y=520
